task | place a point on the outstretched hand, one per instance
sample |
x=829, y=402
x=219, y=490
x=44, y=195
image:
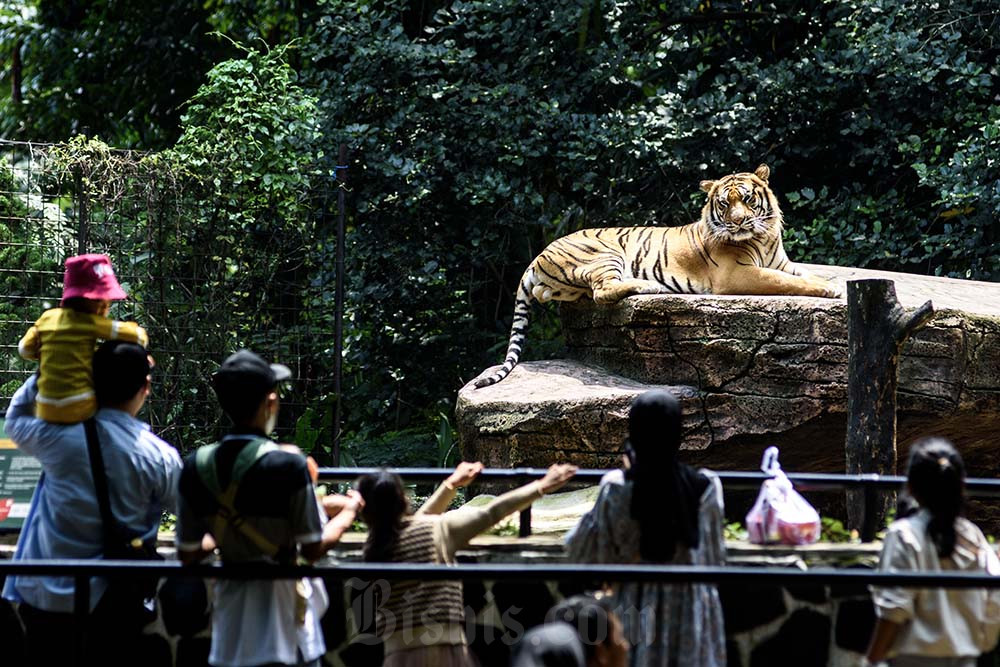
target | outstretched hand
x=336, y=502
x=465, y=473
x=556, y=477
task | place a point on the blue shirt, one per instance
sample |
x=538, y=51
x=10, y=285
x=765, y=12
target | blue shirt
x=64, y=520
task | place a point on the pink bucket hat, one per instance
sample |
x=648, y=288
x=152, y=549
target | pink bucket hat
x=91, y=277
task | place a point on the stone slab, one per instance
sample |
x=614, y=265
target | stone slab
x=549, y=411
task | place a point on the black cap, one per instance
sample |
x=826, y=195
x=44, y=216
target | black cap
x=247, y=375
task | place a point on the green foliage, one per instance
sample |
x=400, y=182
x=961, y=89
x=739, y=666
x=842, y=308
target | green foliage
x=833, y=530
x=474, y=144
x=481, y=130
x=252, y=132
x=447, y=443
x=407, y=448
x=214, y=239
x=26, y=278
x=121, y=69
x=734, y=531
x=498, y=126
x=244, y=164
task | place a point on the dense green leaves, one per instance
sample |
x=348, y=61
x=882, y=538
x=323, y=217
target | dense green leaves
x=480, y=130
x=118, y=69
x=504, y=124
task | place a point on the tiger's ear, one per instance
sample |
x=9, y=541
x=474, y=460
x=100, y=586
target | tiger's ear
x=706, y=186
x=762, y=173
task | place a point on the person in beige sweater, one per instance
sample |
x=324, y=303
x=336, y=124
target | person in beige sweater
x=422, y=623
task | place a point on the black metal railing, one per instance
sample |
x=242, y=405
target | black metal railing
x=822, y=482
x=83, y=570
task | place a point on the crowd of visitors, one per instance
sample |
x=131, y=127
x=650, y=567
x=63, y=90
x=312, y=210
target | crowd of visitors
x=247, y=499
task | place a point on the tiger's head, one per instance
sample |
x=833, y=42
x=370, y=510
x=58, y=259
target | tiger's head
x=741, y=207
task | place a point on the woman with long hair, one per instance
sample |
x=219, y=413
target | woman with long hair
x=422, y=623
x=659, y=510
x=942, y=627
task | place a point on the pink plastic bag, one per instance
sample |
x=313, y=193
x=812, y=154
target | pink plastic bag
x=780, y=514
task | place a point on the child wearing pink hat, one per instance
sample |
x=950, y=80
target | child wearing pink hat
x=63, y=339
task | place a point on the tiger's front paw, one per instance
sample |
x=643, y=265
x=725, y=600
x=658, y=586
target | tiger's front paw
x=834, y=291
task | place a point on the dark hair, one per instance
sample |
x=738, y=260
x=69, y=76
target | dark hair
x=589, y=616
x=240, y=403
x=665, y=492
x=936, y=479
x=385, y=507
x=120, y=371
x=81, y=304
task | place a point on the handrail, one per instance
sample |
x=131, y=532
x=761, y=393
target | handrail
x=979, y=487
x=718, y=574
x=82, y=570
x=975, y=487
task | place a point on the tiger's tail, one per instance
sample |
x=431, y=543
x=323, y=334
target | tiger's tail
x=522, y=308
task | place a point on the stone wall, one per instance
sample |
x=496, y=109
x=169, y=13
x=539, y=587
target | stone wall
x=766, y=626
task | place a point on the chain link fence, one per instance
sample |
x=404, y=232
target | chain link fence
x=203, y=281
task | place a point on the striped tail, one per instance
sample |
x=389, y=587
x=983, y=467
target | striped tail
x=522, y=308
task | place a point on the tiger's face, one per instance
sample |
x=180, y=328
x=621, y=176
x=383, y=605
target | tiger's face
x=741, y=207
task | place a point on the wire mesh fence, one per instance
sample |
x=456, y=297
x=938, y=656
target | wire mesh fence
x=203, y=277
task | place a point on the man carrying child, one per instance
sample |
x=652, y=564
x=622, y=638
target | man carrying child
x=64, y=520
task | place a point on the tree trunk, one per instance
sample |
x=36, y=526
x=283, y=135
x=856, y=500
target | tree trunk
x=877, y=327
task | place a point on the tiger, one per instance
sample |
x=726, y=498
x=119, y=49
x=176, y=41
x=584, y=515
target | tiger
x=734, y=248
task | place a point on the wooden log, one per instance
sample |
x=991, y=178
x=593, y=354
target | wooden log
x=877, y=327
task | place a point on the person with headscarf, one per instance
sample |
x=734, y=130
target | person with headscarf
x=659, y=510
x=550, y=645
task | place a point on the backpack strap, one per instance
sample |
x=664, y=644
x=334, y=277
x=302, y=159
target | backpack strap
x=205, y=462
x=100, y=483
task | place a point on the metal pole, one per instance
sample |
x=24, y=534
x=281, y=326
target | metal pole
x=82, y=222
x=81, y=610
x=524, y=525
x=340, y=173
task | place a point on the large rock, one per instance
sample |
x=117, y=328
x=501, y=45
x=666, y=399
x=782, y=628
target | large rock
x=753, y=371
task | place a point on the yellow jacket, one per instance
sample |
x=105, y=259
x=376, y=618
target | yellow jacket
x=63, y=340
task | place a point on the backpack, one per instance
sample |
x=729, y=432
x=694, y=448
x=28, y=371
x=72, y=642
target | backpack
x=227, y=513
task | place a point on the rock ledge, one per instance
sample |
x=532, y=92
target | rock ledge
x=752, y=371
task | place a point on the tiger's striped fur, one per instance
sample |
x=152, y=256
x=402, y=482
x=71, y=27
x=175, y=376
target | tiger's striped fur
x=734, y=248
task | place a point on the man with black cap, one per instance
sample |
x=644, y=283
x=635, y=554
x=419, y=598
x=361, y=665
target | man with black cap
x=64, y=519
x=255, y=501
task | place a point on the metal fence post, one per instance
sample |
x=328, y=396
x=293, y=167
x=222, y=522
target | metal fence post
x=524, y=525
x=340, y=174
x=82, y=221
x=81, y=611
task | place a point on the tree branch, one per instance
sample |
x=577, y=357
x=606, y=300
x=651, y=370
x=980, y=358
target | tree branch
x=909, y=323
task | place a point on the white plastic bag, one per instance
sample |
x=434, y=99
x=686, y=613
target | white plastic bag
x=780, y=514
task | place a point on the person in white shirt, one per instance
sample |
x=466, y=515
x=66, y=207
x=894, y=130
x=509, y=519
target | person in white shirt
x=255, y=501
x=936, y=627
